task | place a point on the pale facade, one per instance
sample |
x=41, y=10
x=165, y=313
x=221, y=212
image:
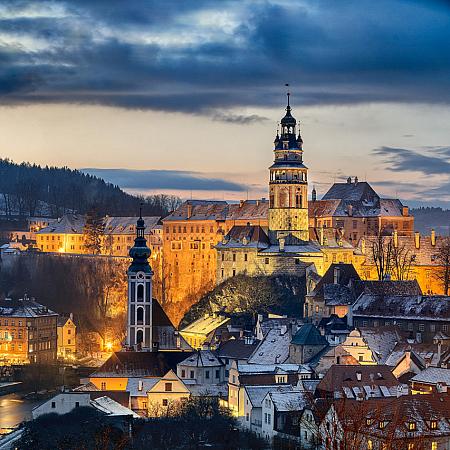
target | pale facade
x=67, y=344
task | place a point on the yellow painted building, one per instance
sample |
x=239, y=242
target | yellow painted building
x=67, y=339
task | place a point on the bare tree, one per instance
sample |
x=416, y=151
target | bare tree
x=443, y=271
x=401, y=262
x=382, y=256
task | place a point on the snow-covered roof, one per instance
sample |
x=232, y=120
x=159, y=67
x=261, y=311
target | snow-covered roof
x=127, y=225
x=433, y=375
x=209, y=390
x=112, y=408
x=202, y=358
x=24, y=308
x=248, y=369
x=273, y=349
x=289, y=401
x=145, y=384
x=256, y=394
x=412, y=307
x=381, y=340
x=204, y=325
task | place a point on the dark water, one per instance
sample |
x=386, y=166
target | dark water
x=14, y=410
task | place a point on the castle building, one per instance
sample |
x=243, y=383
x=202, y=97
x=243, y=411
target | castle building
x=359, y=211
x=289, y=245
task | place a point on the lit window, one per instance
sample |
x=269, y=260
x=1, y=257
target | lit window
x=412, y=426
x=369, y=445
x=433, y=425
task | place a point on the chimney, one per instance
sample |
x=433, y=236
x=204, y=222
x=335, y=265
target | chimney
x=395, y=236
x=358, y=375
x=439, y=349
x=356, y=180
x=283, y=330
x=281, y=242
x=140, y=385
x=350, y=210
x=405, y=211
x=417, y=239
x=241, y=203
x=321, y=235
x=349, y=180
x=71, y=316
x=433, y=237
x=257, y=202
x=189, y=210
x=314, y=194
x=336, y=275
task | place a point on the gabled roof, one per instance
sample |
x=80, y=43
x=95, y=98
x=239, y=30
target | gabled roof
x=138, y=364
x=339, y=377
x=202, y=358
x=24, y=308
x=289, y=401
x=205, y=324
x=308, y=334
x=273, y=349
x=127, y=225
x=256, y=394
x=239, y=349
x=109, y=407
x=68, y=224
x=358, y=191
x=388, y=287
x=249, y=209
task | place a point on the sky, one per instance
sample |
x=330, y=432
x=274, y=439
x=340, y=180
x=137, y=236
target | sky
x=184, y=97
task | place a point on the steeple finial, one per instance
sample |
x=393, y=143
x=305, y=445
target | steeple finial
x=140, y=210
x=288, y=95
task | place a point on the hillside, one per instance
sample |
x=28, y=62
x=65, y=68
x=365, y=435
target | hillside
x=31, y=190
x=427, y=218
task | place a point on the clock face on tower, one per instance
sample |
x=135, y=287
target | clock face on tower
x=140, y=275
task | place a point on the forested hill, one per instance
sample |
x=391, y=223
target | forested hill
x=430, y=217
x=31, y=190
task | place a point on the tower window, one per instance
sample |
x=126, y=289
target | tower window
x=139, y=337
x=140, y=316
x=140, y=292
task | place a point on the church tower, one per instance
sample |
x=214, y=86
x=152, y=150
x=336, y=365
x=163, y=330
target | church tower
x=288, y=185
x=139, y=323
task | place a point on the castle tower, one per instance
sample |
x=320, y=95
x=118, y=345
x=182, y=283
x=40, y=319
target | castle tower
x=288, y=185
x=139, y=323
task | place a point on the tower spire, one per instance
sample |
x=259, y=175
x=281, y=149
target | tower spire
x=288, y=94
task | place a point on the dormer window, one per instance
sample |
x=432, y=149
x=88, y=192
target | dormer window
x=433, y=425
x=412, y=426
x=382, y=424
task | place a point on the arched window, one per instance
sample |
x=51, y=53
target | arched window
x=271, y=200
x=140, y=292
x=283, y=199
x=140, y=316
x=298, y=200
x=139, y=337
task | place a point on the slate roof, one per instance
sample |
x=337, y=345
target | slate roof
x=433, y=375
x=342, y=379
x=69, y=224
x=200, y=210
x=24, y=308
x=322, y=208
x=347, y=272
x=388, y=287
x=305, y=248
x=252, y=236
x=138, y=364
x=412, y=307
x=332, y=238
x=147, y=384
x=256, y=394
x=221, y=210
x=256, y=369
x=351, y=191
x=277, y=322
x=236, y=349
x=202, y=358
x=308, y=334
x=112, y=408
x=127, y=225
x=273, y=349
x=289, y=401
x=381, y=340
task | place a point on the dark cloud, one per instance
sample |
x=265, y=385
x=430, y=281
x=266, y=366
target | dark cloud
x=238, y=118
x=429, y=161
x=164, y=179
x=160, y=55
